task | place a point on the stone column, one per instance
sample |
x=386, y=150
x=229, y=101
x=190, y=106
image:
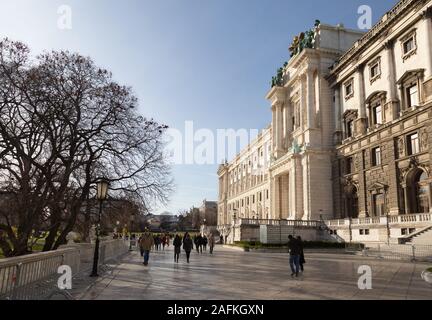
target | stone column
x=310, y=101
x=427, y=32
x=275, y=198
x=338, y=115
x=362, y=98
x=391, y=77
x=278, y=128
x=361, y=124
x=392, y=101
x=406, y=198
x=274, y=127
x=303, y=103
x=279, y=112
x=288, y=124
x=362, y=191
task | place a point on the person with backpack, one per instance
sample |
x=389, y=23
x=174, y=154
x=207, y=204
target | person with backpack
x=211, y=242
x=177, y=248
x=302, y=260
x=146, y=244
x=294, y=251
x=187, y=245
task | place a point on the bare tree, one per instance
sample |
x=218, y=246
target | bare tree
x=63, y=123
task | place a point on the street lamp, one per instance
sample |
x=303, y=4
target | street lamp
x=102, y=185
x=132, y=220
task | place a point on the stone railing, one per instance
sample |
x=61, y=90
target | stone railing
x=400, y=219
x=35, y=276
x=273, y=222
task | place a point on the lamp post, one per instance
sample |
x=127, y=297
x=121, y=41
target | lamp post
x=102, y=190
x=132, y=220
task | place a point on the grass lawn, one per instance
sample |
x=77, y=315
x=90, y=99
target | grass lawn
x=37, y=247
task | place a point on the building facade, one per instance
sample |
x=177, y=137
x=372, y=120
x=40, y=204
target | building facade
x=383, y=99
x=350, y=138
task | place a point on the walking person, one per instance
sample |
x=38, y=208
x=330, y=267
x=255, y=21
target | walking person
x=294, y=260
x=302, y=260
x=177, y=248
x=146, y=244
x=205, y=242
x=163, y=240
x=141, y=248
x=195, y=241
x=187, y=245
x=211, y=242
x=199, y=243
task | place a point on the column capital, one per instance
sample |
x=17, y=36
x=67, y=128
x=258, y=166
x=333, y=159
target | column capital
x=388, y=45
x=426, y=13
x=360, y=67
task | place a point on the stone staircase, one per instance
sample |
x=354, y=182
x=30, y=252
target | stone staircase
x=422, y=237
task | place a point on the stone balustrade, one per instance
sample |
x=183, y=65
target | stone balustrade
x=400, y=219
x=33, y=276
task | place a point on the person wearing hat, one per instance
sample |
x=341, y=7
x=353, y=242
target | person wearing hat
x=146, y=244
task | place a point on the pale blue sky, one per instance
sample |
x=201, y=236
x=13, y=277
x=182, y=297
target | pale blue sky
x=206, y=61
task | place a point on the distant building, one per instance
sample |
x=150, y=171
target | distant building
x=208, y=211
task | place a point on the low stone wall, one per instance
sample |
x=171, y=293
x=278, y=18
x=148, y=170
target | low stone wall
x=279, y=234
x=18, y=273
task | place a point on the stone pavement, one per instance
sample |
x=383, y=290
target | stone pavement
x=231, y=274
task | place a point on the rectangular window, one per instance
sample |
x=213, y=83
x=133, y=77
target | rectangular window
x=412, y=96
x=361, y=232
x=375, y=70
x=413, y=144
x=348, y=89
x=377, y=114
x=376, y=156
x=378, y=202
x=408, y=45
x=349, y=165
x=350, y=128
x=253, y=199
x=367, y=232
x=267, y=194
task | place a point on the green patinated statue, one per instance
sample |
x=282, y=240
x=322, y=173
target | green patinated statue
x=299, y=43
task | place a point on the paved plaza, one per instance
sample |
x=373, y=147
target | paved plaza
x=231, y=274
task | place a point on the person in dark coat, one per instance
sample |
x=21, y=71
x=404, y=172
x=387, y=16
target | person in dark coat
x=195, y=241
x=204, y=242
x=199, y=243
x=177, y=247
x=302, y=260
x=187, y=245
x=294, y=260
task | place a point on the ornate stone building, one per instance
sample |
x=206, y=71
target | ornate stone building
x=383, y=99
x=350, y=142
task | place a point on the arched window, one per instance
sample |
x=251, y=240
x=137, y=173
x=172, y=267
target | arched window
x=422, y=193
x=418, y=191
x=351, y=196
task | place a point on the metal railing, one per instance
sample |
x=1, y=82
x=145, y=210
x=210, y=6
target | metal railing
x=35, y=276
x=421, y=253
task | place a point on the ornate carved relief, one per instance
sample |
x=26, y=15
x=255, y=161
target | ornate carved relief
x=401, y=147
x=424, y=140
